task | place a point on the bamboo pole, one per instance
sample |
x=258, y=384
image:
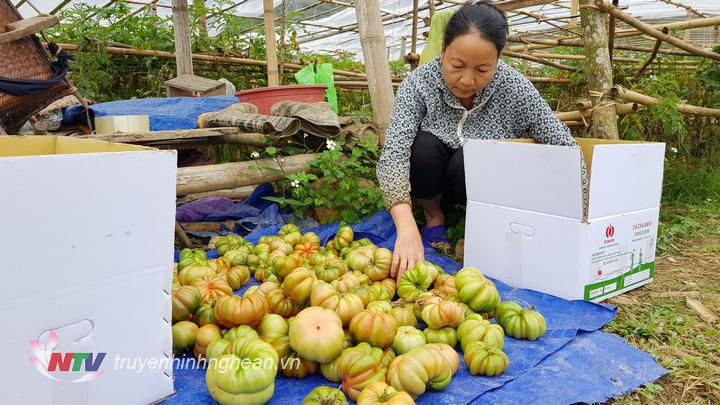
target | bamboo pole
x=547, y=55
x=538, y=60
x=431, y=8
x=181, y=30
x=583, y=105
x=652, y=55
x=551, y=43
x=204, y=58
x=372, y=40
x=413, y=43
x=200, y=179
x=579, y=115
x=653, y=32
x=611, y=34
x=270, y=44
x=676, y=26
x=629, y=95
x=548, y=80
x=573, y=11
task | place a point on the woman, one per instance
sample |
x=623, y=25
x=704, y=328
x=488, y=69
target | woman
x=467, y=92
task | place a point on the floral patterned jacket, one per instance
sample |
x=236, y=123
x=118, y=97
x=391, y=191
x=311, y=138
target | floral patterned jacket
x=508, y=107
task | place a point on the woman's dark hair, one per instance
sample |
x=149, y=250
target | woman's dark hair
x=481, y=17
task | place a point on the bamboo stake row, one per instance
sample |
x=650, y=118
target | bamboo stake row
x=205, y=58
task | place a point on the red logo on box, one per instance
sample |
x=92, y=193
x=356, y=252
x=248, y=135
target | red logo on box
x=609, y=231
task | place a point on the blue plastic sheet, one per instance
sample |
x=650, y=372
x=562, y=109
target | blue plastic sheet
x=165, y=113
x=571, y=363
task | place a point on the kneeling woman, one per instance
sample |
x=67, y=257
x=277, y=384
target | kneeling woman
x=467, y=92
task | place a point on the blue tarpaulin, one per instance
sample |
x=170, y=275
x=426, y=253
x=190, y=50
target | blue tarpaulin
x=573, y=362
x=165, y=113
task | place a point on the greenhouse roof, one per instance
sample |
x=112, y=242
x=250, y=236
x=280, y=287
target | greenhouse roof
x=331, y=25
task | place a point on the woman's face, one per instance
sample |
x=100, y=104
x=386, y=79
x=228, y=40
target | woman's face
x=468, y=64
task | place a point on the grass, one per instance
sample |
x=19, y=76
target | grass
x=688, y=263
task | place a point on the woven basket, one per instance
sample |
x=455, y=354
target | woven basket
x=24, y=59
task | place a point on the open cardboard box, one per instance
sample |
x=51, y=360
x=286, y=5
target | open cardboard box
x=86, y=236
x=527, y=226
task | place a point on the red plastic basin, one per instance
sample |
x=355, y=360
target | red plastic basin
x=265, y=97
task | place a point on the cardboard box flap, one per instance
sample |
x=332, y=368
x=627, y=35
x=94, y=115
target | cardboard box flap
x=625, y=177
x=36, y=145
x=528, y=176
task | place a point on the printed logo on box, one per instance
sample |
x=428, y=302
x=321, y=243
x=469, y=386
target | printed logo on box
x=609, y=231
x=66, y=367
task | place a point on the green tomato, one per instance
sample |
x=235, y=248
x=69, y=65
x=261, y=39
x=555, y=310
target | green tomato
x=183, y=334
x=324, y=395
x=445, y=335
x=246, y=376
x=485, y=360
x=407, y=337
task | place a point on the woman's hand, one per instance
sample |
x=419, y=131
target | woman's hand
x=408, y=244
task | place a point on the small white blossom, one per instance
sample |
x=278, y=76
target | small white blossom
x=330, y=144
x=282, y=160
x=674, y=149
x=295, y=183
x=254, y=155
x=304, y=135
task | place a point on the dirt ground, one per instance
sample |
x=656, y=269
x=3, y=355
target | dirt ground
x=658, y=318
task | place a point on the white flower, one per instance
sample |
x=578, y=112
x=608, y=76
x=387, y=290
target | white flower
x=330, y=144
x=282, y=160
x=254, y=155
x=295, y=183
x=304, y=135
x=674, y=149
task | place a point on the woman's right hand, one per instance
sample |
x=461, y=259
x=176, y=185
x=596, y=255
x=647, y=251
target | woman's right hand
x=409, y=249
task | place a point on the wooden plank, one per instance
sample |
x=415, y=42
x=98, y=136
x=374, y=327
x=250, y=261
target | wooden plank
x=194, y=83
x=184, y=240
x=29, y=26
x=207, y=226
x=144, y=137
x=703, y=312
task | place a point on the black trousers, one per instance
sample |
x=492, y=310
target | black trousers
x=436, y=169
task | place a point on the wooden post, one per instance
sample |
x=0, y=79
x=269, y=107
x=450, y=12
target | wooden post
x=599, y=70
x=270, y=50
x=413, y=44
x=283, y=28
x=687, y=32
x=372, y=39
x=402, y=47
x=573, y=11
x=431, y=8
x=183, y=47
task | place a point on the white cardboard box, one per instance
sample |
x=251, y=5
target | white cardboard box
x=86, y=237
x=526, y=225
